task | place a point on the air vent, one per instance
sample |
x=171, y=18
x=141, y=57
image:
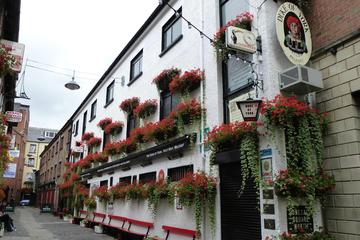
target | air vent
x=300, y=80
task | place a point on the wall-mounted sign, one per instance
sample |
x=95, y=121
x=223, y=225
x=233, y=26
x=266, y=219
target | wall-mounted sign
x=14, y=117
x=293, y=33
x=14, y=153
x=240, y=39
x=78, y=149
x=300, y=220
x=10, y=172
x=266, y=168
x=17, y=50
x=161, y=175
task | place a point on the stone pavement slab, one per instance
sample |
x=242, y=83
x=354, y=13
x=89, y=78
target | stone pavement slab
x=30, y=224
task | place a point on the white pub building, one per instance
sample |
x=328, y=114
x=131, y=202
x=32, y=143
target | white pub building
x=252, y=62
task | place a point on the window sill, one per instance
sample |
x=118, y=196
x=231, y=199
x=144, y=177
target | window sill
x=134, y=79
x=108, y=103
x=170, y=46
x=91, y=119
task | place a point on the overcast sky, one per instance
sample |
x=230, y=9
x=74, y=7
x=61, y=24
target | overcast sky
x=85, y=35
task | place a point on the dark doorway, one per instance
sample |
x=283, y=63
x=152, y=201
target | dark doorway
x=240, y=215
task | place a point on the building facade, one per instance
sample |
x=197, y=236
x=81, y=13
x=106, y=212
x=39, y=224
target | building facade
x=336, y=43
x=37, y=140
x=167, y=41
x=51, y=167
x=9, y=30
x=14, y=174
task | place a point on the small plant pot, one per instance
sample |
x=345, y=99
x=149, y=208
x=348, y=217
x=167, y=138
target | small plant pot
x=98, y=229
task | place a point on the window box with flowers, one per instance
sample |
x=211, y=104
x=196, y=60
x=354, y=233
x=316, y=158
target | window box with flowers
x=146, y=109
x=94, y=142
x=187, y=113
x=128, y=105
x=187, y=82
x=240, y=140
x=163, y=80
x=104, y=123
x=7, y=61
x=161, y=131
x=114, y=128
x=102, y=193
x=304, y=128
x=243, y=20
x=86, y=136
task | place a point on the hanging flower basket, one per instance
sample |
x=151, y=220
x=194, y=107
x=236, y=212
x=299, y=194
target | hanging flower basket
x=161, y=131
x=114, y=128
x=86, y=136
x=128, y=105
x=198, y=189
x=102, y=193
x=146, y=109
x=243, y=20
x=7, y=61
x=94, y=142
x=100, y=157
x=138, y=135
x=163, y=80
x=187, y=82
x=187, y=112
x=90, y=204
x=122, y=147
x=84, y=163
x=104, y=122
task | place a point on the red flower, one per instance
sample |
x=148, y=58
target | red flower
x=128, y=105
x=114, y=128
x=138, y=135
x=102, y=193
x=146, y=109
x=187, y=82
x=104, y=122
x=187, y=112
x=86, y=136
x=165, y=77
x=161, y=131
x=94, y=142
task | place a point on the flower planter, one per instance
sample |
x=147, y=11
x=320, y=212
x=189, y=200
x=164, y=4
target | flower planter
x=98, y=229
x=82, y=223
x=228, y=156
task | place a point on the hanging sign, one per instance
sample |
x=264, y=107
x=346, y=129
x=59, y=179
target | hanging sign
x=10, y=171
x=78, y=149
x=293, y=33
x=14, y=117
x=240, y=39
x=17, y=50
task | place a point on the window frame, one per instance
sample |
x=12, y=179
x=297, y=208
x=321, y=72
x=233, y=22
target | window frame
x=131, y=117
x=165, y=94
x=93, y=110
x=108, y=101
x=189, y=168
x=153, y=173
x=138, y=57
x=168, y=26
x=31, y=146
x=84, y=122
x=76, y=131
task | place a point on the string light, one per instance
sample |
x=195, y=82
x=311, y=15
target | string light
x=202, y=34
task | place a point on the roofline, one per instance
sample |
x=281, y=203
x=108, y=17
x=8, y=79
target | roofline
x=142, y=29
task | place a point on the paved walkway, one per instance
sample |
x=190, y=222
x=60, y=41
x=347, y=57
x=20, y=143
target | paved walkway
x=30, y=224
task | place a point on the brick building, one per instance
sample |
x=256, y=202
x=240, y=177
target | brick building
x=336, y=39
x=52, y=160
x=13, y=176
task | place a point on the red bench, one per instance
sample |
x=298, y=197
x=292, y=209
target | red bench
x=126, y=224
x=179, y=231
x=98, y=218
x=82, y=215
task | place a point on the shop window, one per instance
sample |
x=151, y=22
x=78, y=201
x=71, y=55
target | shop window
x=178, y=173
x=111, y=181
x=134, y=179
x=103, y=183
x=147, y=177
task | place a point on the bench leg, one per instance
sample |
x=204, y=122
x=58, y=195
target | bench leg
x=167, y=235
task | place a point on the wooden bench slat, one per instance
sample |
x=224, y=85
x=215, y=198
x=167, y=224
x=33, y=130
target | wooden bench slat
x=141, y=223
x=182, y=231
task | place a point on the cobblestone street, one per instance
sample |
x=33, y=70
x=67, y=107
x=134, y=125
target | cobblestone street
x=30, y=224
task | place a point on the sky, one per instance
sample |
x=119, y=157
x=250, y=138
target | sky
x=83, y=35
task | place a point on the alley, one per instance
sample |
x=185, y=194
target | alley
x=30, y=224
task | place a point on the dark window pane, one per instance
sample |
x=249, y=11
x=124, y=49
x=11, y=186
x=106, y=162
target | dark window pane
x=172, y=30
x=110, y=92
x=176, y=30
x=176, y=174
x=239, y=74
x=125, y=180
x=147, y=177
x=136, y=65
x=104, y=183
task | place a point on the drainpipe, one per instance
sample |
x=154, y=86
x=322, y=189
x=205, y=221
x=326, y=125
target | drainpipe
x=203, y=117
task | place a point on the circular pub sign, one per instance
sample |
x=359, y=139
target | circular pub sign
x=293, y=33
